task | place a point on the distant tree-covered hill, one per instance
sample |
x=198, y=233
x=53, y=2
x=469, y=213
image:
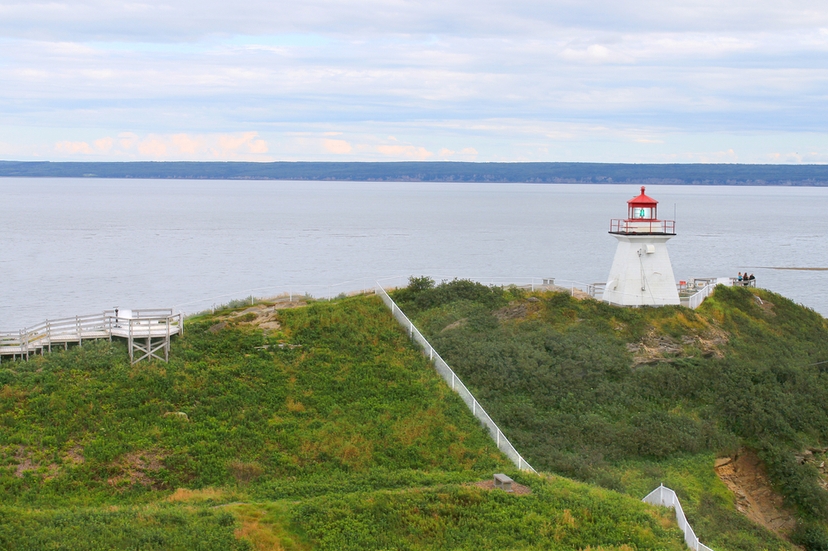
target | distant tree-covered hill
x=707, y=174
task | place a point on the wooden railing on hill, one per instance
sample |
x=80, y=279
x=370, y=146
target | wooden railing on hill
x=147, y=332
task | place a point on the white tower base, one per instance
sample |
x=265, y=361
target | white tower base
x=641, y=273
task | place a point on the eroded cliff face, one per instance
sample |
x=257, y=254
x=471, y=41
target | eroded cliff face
x=745, y=475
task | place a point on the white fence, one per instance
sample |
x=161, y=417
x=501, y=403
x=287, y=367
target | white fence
x=694, y=301
x=667, y=498
x=456, y=384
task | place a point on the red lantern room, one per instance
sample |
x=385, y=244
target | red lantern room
x=642, y=218
x=642, y=207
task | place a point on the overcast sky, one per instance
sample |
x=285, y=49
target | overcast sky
x=537, y=80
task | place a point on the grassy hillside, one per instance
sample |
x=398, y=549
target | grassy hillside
x=319, y=427
x=629, y=398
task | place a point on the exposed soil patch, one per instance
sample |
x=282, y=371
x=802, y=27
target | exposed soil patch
x=745, y=476
x=512, y=311
x=261, y=315
x=580, y=295
x=25, y=463
x=656, y=347
x=818, y=457
x=766, y=306
x=517, y=489
x=74, y=456
x=245, y=472
x=459, y=323
x=138, y=468
x=711, y=342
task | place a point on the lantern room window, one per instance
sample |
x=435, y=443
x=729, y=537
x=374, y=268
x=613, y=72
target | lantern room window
x=642, y=213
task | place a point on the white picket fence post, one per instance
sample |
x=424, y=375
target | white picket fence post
x=666, y=497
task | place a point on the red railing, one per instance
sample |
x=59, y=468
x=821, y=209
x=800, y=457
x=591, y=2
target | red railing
x=621, y=225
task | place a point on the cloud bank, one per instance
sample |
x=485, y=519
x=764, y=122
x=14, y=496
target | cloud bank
x=639, y=81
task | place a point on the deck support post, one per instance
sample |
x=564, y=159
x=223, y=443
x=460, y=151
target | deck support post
x=153, y=348
x=131, y=355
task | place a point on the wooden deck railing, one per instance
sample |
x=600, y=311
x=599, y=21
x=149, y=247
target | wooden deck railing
x=147, y=324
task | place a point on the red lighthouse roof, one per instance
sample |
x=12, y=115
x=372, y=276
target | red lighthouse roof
x=642, y=200
x=642, y=218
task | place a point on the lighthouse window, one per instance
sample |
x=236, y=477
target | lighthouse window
x=642, y=213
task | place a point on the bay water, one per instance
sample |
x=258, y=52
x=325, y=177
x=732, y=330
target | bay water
x=79, y=246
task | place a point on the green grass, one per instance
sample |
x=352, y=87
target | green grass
x=157, y=528
x=352, y=397
x=331, y=432
x=558, y=514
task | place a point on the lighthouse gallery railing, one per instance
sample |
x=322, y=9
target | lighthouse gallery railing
x=623, y=225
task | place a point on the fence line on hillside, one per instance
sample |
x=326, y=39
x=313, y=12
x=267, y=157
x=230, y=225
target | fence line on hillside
x=694, y=301
x=667, y=498
x=456, y=384
x=660, y=496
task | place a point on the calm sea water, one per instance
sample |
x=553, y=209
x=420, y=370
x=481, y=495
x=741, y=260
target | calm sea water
x=77, y=246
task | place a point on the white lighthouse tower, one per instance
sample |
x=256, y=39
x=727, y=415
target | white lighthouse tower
x=641, y=273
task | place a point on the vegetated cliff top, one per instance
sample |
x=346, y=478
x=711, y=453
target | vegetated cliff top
x=628, y=398
x=276, y=426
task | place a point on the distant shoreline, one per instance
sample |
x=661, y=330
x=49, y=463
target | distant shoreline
x=433, y=171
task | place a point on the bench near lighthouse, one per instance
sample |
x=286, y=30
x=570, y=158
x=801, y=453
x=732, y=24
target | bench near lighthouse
x=641, y=273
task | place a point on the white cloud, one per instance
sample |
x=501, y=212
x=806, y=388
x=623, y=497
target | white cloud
x=721, y=156
x=405, y=152
x=230, y=145
x=306, y=24
x=152, y=148
x=73, y=148
x=595, y=53
x=127, y=140
x=465, y=154
x=187, y=144
x=257, y=146
x=436, y=75
x=338, y=147
x=129, y=145
x=104, y=145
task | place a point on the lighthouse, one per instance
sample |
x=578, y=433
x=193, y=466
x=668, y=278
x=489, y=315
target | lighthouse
x=641, y=273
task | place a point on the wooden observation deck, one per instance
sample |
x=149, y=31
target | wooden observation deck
x=147, y=332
